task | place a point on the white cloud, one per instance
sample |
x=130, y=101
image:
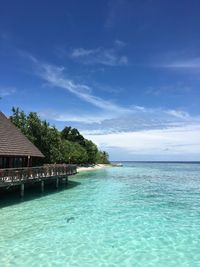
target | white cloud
x=182, y=140
x=179, y=114
x=105, y=56
x=55, y=77
x=123, y=60
x=113, y=116
x=137, y=121
x=178, y=61
x=169, y=90
x=120, y=43
x=69, y=117
x=7, y=91
x=193, y=63
x=81, y=52
x=134, y=130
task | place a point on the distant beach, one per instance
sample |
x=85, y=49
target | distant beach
x=93, y=168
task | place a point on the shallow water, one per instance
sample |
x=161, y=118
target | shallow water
x=144, y=214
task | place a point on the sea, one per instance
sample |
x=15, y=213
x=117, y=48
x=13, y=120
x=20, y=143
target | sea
x=142, y=214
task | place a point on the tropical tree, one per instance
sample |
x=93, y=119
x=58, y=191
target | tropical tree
x=67, y=146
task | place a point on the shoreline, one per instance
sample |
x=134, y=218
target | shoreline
x=93, y=168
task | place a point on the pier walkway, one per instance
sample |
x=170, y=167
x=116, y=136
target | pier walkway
x=22, y=176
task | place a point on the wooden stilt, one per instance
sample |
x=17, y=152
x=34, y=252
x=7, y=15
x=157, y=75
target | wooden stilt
x=65, y=180
x=57, y=182
x=42, y=186
x=22, y=190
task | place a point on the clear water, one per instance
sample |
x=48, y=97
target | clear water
x=138, y=215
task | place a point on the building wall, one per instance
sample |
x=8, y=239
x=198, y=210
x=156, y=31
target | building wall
x=14, y=162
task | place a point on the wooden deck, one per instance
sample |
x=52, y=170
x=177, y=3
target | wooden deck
x=23, y=176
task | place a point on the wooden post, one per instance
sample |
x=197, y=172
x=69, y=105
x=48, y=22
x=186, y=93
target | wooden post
x=65, y=180
x=42, y=186
x=57, y=182
x=22, y=190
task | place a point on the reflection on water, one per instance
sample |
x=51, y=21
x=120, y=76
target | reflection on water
x=12, y=196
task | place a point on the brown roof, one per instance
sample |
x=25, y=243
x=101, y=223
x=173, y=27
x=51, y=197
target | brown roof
x=13, y=142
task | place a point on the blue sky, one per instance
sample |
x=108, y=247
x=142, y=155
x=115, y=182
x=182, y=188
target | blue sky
x=125, y=73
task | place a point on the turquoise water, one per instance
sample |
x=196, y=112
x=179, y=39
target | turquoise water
x=138, y=215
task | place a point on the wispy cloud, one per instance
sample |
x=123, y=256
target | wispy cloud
x=138, y=120
x=183, y=140
x=193, y=63
x=7, y=91
x=179, y=114
x=54, y=75
x=178, y=60
x=100, y=55
x=169, y=90
x=72, y=118
x=136, y=129
x=113, y=116
x=133, y=130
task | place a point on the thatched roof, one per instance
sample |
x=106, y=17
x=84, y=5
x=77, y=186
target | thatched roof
x=13, y=142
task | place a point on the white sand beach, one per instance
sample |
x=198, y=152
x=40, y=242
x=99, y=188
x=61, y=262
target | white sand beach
x=95, y=167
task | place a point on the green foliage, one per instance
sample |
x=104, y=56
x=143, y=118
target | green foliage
x=92, y=151
x=102, y=157
x=67, y=146
x=73, y=135
x=19, y=118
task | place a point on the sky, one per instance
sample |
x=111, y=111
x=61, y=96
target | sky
x=126, y=73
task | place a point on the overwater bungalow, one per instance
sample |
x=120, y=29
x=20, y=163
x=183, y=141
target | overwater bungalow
x=18, y=157
x=16, y=151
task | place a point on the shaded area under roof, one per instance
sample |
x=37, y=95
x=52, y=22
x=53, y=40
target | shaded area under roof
x=13, y=142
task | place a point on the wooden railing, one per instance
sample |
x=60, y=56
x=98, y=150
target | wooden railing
x=19, y=175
